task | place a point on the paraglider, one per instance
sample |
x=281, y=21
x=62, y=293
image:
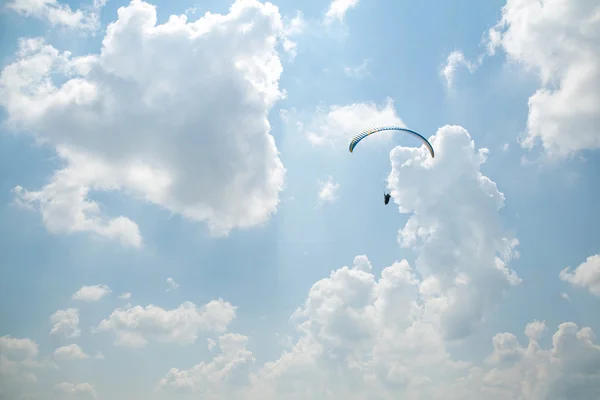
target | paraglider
x=386, y=198
x=364, y=134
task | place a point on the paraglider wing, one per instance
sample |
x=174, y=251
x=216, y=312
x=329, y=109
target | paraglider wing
x=368, y=132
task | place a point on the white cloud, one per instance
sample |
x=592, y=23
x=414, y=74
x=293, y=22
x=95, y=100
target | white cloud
x=586, y=275
x=211, y=344
x=363, y=336
x=338, y=9
x=125, y=296
x=65, y=209
x=21, y=348
x=570, y=369
x=69, y=352
x=338, y=124
x=226, y=373
x=565, y=296
x=99, y=3
x=13, y=373
x=132, y=121
x=172, y=284
x=17, y=357
x=136, y=326
x=327, y=190
x=57, y=14
x=291, y=28
x=455, y=225
x=557, y=39
x=456, y=59
x=83, y=390
x=91, y=293
x=66, y=323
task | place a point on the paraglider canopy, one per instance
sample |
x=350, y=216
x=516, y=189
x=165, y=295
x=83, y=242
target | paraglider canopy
x=368, y=132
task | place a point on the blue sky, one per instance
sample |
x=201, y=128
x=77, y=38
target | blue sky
x=212, y=153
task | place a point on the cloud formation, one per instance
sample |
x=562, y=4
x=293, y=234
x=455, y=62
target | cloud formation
x=134, y=121
x=327, y=190
x=66, y=323
x=586, y=275
x=136, y=326
x=57, y=14
x=91, y=293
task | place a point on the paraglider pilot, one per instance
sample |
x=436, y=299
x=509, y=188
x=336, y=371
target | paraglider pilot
x=386, y=197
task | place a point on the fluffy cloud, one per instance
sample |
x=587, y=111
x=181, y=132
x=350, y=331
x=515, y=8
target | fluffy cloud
x=456, y=227
x=66, y=323
x=78, y=390
x=363, y=336
x=17, y=357
x=172, y=284
x=182, y=124
x=455, y=60
x=12, y=372
x=337, y=125
x=570, y=369
x=228, y=372
x=125, y=296
x=21, y=348
x=586, y=275
x=91, y=293
x=338, y=9
x=559, y=40
x=70, y=352
x=56, y=14
x=327, y=190
x=136, y=326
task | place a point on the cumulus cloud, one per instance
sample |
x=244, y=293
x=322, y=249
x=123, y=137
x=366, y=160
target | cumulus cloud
x=586, y=275
x=13, y=372
x=457, y=59
x=57, y=14
x=336, y=125
x=327, y=190
x=228, y=372
x=66, y=323
x=136, y=326
x=455, y=225
x=78, y=390
x=18, y=347
x=133, y=121
x=291, y=28
x=70, y=352
x=125, y=296
x=91, y=293
x=172, y=285
x=338, y=8
x=570, y=369
x=560, y=41
x=17, y=358
x=366, y=336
